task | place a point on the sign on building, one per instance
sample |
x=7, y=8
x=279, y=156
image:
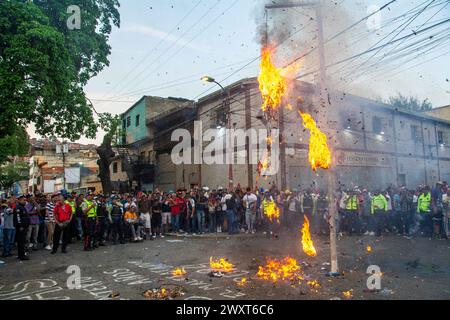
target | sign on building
x=359, y=159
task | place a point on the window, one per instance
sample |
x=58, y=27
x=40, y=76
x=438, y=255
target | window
x=442, y=137
x=124, y=124
x=128, y=122
x=416, y=133
x=377, y=125
x=115, y=167
x=122, y=167
x=138, y=120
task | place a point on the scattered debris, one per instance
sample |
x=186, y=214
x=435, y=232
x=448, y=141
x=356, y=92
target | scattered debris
x=164, y=293
x=179, y=272
x=114, y=295
x=386, y=292
x=348, y=294
x=215, y=274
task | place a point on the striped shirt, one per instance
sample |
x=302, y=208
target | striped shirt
x=50, y=217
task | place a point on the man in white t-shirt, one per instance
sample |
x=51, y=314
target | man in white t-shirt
x=249, y=202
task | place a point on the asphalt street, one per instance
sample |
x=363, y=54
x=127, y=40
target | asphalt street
x=411, y=269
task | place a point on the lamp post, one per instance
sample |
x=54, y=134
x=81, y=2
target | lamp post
x=228, y=108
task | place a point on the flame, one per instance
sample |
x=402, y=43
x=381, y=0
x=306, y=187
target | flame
x=178, y=272
x=307, y=243
x=348, y=294
x=319, y=153
x=243, y=282
x=314, y=284
x=274, y=270
x=221, y=265
x=369, y=249
x=273, y=82
x=272, y=212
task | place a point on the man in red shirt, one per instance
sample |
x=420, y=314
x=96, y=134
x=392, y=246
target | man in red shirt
x=63, y=216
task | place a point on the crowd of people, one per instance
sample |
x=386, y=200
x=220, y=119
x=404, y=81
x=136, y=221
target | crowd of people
x=46, y=222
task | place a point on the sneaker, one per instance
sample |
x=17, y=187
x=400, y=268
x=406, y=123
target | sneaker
x=30, y=246
x=372, y=234
x=367, y=233
x=161, y=236
x=49, y=247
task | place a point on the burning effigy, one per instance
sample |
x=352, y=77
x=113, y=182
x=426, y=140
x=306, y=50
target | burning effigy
x=272, y=212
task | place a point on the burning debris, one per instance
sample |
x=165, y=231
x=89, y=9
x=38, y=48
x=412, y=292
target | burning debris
x=369, y=249
x=221, y=265
x=319, y=153
x=179, y=272
x=307, y=243
x=314, y=284
x=275, y=270
x=348, y=294
x=164, y=293
x=272, y=212
x=242, y=282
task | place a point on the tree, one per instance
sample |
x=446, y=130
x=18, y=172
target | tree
x=106, y=152
x=11, y=172
x=44, y=66
x=409, y=103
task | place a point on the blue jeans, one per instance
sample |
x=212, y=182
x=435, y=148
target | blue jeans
x=175, y=223
x=8, y=240
x=231, y=217
x=201, y=220
x=212, y=222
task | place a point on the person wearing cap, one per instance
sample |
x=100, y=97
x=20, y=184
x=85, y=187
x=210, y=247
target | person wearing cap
x=21, y=223
x=117, y=221
x=63, y=216
x=90, y=212
x=351, y=214
x=424, y=212
x=379, y=209
x=102, y=222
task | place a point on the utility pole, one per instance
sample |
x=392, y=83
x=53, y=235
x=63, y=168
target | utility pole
x=331, y=174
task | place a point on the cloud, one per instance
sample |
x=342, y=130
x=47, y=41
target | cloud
x=160, y=34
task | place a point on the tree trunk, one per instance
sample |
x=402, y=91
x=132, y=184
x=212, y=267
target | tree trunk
x=106, y=155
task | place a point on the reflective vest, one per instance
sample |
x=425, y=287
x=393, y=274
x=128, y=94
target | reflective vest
x=72, y=205
x=93, y=212
x=424, y=203
x=379, y=203
x=352, y=203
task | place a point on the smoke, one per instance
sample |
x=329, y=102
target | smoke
x=295, y=33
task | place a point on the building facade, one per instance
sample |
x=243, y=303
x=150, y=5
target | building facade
x=49, y=170
x=373, y=145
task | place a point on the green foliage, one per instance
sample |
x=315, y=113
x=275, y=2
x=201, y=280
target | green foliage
x=44, y=66
x=11, y=172
x=402, y=102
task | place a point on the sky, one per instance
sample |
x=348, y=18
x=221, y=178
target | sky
x=163, y=48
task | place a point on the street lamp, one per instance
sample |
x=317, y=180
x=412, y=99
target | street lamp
x=227, y=105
